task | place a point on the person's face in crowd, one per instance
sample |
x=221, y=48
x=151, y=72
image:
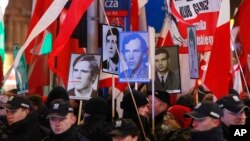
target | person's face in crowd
x=159, y=106
x=143, y=110
x=161, y=62
x=61, y=125
x=124, y=138
x=230, y=118
x=82, y=75
x=133, y=54
x=14, y=116
x=111, y=42
x=169, y=123
x=205, y=124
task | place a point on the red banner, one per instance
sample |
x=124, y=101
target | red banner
x=201, y=13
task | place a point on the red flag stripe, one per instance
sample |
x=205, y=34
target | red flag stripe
x=76, y=10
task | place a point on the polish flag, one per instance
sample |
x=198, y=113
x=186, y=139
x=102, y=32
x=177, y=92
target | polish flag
x=218, y=71
x=243, y=20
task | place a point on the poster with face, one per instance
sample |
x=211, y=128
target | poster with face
x=167, y=70
x=110, y=39
x=193, y=54
x=134, y=63
x=83, y=76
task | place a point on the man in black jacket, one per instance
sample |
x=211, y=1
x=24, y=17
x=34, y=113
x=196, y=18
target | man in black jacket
x=233, y=112
x=22, y=121
x=206, y=122
x=62, y=122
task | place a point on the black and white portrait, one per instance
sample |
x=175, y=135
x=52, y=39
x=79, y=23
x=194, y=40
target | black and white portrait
x=83, y=76
x=110, y=39
x=167, y=70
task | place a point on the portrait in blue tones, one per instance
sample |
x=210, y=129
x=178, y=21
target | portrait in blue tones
x=134, y=50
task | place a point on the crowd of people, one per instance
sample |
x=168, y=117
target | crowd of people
x=32, y=118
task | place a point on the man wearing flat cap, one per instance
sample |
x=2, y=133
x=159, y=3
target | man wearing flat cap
x=206, y=122
x=62, y=119
x=124, y=130
x=22, y=121
x=233, y=112
x=161, y=103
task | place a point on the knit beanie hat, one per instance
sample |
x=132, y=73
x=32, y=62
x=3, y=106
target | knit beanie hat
x=96, y=106
x=178, y=111
x=58, y=92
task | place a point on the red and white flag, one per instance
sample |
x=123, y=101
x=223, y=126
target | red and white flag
x=243, y=21
x=218, y=71
x=61, y=50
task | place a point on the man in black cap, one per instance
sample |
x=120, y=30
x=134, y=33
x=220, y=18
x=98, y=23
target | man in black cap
x=62, y=120
x=234, y=112
x=161, y=103
x=206, y=122
x=96, y=127
x=124, y=130
x=22, y=121
x=129, y=111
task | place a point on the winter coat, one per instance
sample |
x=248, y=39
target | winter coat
x=214, y=134
x=27, y=129
x=96, y=128
x=71, y=134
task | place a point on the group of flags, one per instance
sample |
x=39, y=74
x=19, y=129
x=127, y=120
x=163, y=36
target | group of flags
x=57, y=28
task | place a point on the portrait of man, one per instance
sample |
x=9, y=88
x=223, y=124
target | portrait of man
x=110, y=46
x=21, y=74
x=167, y=74
x=83, y=76
x=134, y=50
x=193, y=55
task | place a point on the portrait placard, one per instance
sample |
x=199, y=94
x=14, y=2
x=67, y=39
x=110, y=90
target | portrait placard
x=110, y=40
x=167, y=70
x=83, y=76
x=193, y=54
x=134, y=63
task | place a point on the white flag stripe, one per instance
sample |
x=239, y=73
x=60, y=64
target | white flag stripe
x=141, y=3
x=48, y=18
x=224, y=15
x=237, y=79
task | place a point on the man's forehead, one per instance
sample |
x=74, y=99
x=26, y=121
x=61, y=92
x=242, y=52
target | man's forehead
x=80, y=64
x=160, y=56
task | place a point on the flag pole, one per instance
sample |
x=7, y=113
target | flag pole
x=113, y=97
x=79, y=113
x=151, y=31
